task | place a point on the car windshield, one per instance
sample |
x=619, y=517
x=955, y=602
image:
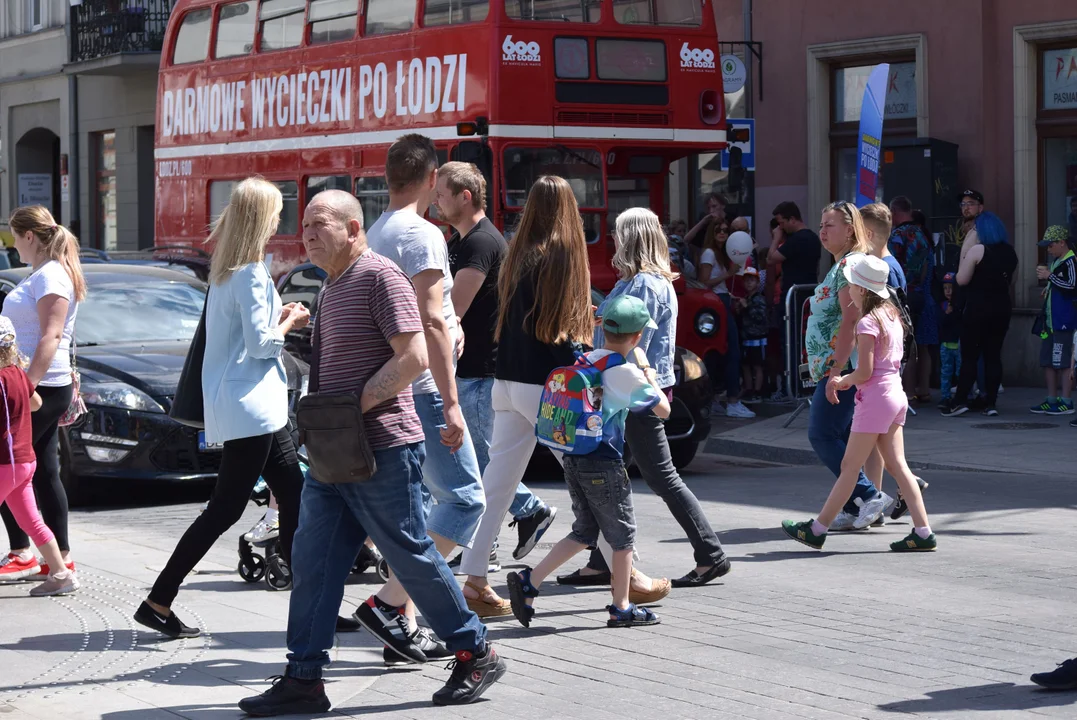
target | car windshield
x=138, y=309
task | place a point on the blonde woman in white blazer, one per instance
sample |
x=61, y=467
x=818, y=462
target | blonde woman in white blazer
x=245, y=393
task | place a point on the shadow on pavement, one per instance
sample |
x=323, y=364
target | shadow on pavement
x=994, y=696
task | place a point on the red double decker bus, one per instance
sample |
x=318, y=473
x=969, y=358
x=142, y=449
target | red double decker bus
x=311, y=93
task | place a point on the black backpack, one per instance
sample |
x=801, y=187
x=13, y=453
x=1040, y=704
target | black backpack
x=901, y=299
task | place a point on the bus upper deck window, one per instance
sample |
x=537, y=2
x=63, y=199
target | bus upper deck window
x=192, y=41
x=555, y=10
x=652, y=12
x=389, y=16
x=332, y=20
x=282, y=23
x=235, y=29
x=455, y=12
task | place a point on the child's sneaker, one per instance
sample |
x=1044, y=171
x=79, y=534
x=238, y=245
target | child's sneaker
x=738, y=410
x=14, y=567
x=902, y=507
x=521, y=590
x=915, y=543
x=801, y=532
x=263, y=531
x=1044, y=408
x=631, y=616
x=1061, y=406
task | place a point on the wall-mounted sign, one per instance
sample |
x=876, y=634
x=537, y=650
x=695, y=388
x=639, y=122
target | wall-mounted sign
x=733, y=73
x=1060, y=79
x=35, y=189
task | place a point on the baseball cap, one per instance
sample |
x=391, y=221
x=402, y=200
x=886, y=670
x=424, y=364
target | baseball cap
x=7, y=332
x=1055, y=233
x=949, y=278
x=974, y=194
x=749, y=271
x=625, y=314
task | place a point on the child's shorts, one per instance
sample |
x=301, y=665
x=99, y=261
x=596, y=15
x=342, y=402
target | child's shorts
x=878, y=406
x=1056, y=350
x=601, y=501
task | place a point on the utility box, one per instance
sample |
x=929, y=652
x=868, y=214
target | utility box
x=925, y=171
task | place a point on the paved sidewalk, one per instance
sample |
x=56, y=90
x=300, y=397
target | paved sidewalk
x=854, y=632
x=1016, y=441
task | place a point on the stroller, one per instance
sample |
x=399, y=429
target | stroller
x=271, y=566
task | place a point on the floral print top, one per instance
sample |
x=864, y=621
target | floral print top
x=914, y=251
x=824, y=321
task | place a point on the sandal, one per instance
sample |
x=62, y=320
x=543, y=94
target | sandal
x=659, y=589
x=630, y=616
x=485, y=605
x=521, y=589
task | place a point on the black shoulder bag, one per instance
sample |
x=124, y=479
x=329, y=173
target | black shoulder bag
x=331, y=428
x=187, y=405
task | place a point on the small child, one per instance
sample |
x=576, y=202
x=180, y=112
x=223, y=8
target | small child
x=949, y=341
x=18, y=462
x=598, y=484
x=754, y=329
x=880, y=407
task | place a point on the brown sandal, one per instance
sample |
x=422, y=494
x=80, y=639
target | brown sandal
x=659, y=589
x=484, y=605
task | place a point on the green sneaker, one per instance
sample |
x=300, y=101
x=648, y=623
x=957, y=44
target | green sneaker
x=915, y=543
x=801, y=532
x=1044, y=407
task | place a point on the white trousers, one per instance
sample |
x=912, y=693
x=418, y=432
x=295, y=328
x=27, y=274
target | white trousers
x=515, y=412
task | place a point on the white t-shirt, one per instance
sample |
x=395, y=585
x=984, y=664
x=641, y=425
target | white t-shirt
x=709, y=258
x=20, y=306
x=416, y=245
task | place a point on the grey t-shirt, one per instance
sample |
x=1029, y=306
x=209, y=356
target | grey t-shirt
x=415, y=245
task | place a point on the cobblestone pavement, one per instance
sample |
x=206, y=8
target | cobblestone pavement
x=853, y=632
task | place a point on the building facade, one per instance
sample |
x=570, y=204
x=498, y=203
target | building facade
x=997, y=79
x=77, y=95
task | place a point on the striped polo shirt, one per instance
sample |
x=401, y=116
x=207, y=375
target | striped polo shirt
x=358, y=313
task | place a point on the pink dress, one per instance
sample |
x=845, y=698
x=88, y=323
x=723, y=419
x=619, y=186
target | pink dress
x=881, y=401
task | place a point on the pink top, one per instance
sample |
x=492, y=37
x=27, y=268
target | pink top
x=888, y=351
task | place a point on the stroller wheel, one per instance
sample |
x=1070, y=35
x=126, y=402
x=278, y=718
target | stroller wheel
x=278, y=574
x=383, y=570
x=252, y=568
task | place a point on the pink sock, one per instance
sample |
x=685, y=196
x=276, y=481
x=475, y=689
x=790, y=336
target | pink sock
x=817, y=528
x=924, y=533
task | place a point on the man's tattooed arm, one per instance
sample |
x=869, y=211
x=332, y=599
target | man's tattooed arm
x=408, y=362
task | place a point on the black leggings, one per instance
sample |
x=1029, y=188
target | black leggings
x=273, y=457
x=49, y=491
x=982, y=334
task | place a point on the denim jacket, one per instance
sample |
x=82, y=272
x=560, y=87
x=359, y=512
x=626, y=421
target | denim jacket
x=658, y=345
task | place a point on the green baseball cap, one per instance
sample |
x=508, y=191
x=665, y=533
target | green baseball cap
x=1055, y=233
x=625, y=314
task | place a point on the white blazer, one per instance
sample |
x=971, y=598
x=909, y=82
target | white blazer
x=244, y=385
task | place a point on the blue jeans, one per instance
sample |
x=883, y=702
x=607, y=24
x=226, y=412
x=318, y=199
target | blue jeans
x=828, y=433
x=950, y=359
x=334, y=520
x=452, y=483
x=477, y=404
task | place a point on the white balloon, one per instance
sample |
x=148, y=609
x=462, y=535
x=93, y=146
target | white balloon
x=739, y=247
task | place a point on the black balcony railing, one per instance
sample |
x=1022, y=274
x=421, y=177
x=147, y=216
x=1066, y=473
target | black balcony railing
x=110, y=27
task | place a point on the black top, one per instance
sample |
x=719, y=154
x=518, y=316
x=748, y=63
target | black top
x=989, y=289
x=801, y=251
x=521, y=357
x=949, y=322
x=483, y=249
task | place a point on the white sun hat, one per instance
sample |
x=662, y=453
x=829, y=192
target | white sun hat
x=869, y=272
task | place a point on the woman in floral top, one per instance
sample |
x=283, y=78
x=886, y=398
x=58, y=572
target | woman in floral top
x=829, y=341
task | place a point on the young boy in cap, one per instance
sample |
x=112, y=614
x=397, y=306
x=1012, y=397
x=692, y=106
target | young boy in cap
x=597, y=482
x=949, y=340
x=1060, y=320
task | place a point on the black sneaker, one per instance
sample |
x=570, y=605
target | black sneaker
x=494, y=566
x=347, y=624
x=169, y=625
x=954, y=408
x=531, y=530
x=288, y=696
x=902, y=507
x=1073, y=422
x=989, y=411
x=391, y=627
x=1064, y=677
x=471, y=675
x=431, y=645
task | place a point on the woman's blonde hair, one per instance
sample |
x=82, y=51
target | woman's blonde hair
x=243, y=229
x=642, y=247
x=549, y=242
x=57, y=242
x=852, y=217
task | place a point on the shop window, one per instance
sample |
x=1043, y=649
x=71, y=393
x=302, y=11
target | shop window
x=373, y=194
x=105, y=189
x=235, y=29
x=192, y=40
x=332, y=20
x=282, y=24
x=1060, y=182
x=455, y=12
x=389, y=16
x=589, y=11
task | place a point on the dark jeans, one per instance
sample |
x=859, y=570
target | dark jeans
x=645, y=435
x=828, y=432
x=334, y=521
x=273, y=457
x=982, y=335
x=49, y=491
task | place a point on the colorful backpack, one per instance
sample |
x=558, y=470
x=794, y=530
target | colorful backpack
x=570, y=410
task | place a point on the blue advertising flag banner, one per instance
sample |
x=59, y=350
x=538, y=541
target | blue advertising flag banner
x=870, y=139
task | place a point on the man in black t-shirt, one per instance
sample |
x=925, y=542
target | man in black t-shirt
x=799, y=254
x=476, y=250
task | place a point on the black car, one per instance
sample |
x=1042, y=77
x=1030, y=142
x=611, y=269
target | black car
x=132, y=334
x=688, y=425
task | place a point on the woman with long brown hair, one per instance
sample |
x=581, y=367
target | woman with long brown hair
x=42, y=309
x=544, y=290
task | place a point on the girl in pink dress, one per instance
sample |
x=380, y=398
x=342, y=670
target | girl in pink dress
x=880, y=407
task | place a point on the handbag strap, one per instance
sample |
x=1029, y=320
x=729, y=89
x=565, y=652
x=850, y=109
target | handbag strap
x=315, y=341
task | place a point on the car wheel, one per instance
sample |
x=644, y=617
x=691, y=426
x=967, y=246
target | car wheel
x=683, y=452
x=73, y=485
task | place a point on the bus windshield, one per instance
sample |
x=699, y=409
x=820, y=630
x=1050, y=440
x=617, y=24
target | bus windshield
x=581, y=167
x=589, y=11
x=655, y=12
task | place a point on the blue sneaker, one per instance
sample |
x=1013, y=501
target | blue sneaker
x=1044, y=408
x=1061, y=406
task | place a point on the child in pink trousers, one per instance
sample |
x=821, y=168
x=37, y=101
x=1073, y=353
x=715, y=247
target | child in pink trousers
x=17, y=463
x=881, y=405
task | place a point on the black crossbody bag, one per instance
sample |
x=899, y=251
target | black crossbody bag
x=331, y=427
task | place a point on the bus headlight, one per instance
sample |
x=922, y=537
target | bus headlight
x=706, y=323
x=693, y=367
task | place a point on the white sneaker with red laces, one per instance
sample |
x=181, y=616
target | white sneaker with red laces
x=14, y=567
